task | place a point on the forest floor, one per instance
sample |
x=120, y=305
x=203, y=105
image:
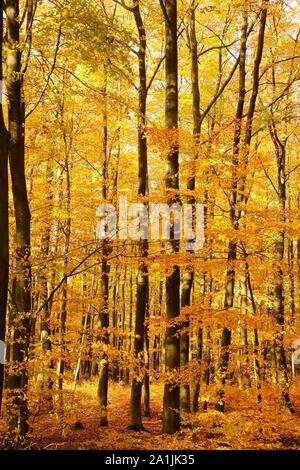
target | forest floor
x=243, y=426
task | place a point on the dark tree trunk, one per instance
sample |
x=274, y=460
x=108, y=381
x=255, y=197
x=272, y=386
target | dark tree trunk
x=19, y=321
x=147, y=411
x=45, y=330
x=196, y=391
x=104, y=323
x=116, y=371
x=4, y=229
x=186, y=289
x=278, y=310
x=66, y=249
x=171, y=401
x=104, y=282
x=240, y=160
x=232, y=248
x=258, y=368
x=142, y=276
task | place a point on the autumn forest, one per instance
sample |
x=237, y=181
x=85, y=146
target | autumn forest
x=149, y=224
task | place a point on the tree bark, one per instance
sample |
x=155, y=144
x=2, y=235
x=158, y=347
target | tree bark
x=45, y=330
x=4, y=228
x=104, y=281
x=66, y=249
x=278, y=310
x=232, y=247
x=240, y=161
x=19, y=321
x=171, y=401
x=188, y=276
x=142, y=294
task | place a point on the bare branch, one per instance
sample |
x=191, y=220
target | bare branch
x=155, y=72
x=49, y=75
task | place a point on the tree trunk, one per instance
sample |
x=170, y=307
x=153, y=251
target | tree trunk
x=196, y=391
x=104, y=282
x=45, y=331
x=171, y=401
x=64, y=295
x=147, y=412
x=4, y=228
x=240, y=161
x=142, y=276
x=19, y=321
x=186, y=289
x=278, y=310
x=232, y=247
x=188, y=276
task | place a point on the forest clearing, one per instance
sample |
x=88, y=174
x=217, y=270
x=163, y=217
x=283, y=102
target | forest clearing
x=149, y=224
x=244, y=426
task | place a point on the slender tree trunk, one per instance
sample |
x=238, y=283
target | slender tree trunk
x=4, y=228
x=116, y=371
x=257, y=366
x=142, y=294
x=186, y=289
x=188, y=276
x=196, y=391
x=45, y=330
x=171, y=401
x=66, y=249
x=19, y=321
x=104, y=282
x=157, y=337
x=232, y=247
x=243, y=361
x=129, y=342
x=240, y=161
x=278, y=310
x=85, y=346
x=104, y=322
x=123, y=320
x=292, y=277
x=147, y=411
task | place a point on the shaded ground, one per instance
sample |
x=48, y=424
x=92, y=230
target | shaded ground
x=244, y=425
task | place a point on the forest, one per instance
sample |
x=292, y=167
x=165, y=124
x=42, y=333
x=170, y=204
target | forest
x=149, y=224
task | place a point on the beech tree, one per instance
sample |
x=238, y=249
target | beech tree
x=19, y=321
x=4, y=231
x=142, y=293
x=171, y=417
x=237, y=196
